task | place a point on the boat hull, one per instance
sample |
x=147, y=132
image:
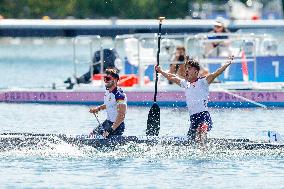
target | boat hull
x=9, y=141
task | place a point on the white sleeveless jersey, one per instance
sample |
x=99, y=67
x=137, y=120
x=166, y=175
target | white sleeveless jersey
x=196, y=94
x=111, y=100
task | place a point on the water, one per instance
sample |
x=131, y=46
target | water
x=65, y=166
x=61, y=165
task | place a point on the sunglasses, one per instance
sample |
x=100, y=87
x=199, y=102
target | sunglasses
x=216, y=26
x=107, y=78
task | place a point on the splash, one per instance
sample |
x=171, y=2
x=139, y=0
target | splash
x=54, y=147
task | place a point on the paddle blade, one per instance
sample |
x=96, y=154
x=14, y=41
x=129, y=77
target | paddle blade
x=153, y=122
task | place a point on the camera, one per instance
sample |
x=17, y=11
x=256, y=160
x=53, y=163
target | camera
x=181, y=58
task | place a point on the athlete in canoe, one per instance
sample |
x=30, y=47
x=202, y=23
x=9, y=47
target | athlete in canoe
x=115, y=104
x=196, y=92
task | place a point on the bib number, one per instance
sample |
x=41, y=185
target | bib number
x=273, y=136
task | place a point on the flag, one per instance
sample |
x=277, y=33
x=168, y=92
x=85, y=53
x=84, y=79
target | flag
x=244, y=66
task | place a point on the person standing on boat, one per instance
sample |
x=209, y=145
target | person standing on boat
x=115, y=104
x=197, y=93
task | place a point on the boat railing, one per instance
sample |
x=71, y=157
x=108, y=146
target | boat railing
x=252, y=44
x=140, y=50
x=84, y=47
x=212, y=48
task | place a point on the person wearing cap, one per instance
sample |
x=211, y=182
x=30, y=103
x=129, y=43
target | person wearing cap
x=196, y=93
x=115, y=104
x=221, y=48
x=219, y=27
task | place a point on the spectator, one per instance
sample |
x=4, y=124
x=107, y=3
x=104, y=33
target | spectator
x=220, y=47
x=177, y=65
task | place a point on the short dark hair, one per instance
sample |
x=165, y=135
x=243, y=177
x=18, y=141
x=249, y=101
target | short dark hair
x=113, y=73
x=192, y=62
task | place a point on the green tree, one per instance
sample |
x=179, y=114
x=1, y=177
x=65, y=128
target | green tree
x=126, y=9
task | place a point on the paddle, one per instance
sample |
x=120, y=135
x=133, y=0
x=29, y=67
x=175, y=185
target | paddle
x=153, y=122
x=244, y=98
x=96, y=130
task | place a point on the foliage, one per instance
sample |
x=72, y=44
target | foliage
x=127, y=9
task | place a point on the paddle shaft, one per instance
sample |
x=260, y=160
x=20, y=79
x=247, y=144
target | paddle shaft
x=158, y=56
x=245, y=99
x=96, y=130
x=153, y=121
x=97, y=119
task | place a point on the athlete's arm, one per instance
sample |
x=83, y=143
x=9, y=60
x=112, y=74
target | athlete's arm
x=210, y=78
x=171, y=77
x=97, y=109
x=121, y=110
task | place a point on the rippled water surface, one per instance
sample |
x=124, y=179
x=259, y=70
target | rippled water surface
x=63, y=165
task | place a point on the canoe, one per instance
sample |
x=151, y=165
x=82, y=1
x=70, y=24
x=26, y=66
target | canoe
x=18, y=140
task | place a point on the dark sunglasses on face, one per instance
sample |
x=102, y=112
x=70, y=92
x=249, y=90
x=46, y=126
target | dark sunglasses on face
x=218, y=26
x=108, y=78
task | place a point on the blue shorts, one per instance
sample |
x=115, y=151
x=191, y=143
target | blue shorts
x=197, y=121
x=107, y=124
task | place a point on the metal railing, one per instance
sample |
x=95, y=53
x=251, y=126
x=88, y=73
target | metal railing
x=93, y=42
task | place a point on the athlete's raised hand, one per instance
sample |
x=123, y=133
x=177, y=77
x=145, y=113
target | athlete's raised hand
x=230, y=59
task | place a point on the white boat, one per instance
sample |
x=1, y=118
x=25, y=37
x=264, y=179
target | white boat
x=263, y=86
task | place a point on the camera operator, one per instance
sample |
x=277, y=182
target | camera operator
x=177, y=65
